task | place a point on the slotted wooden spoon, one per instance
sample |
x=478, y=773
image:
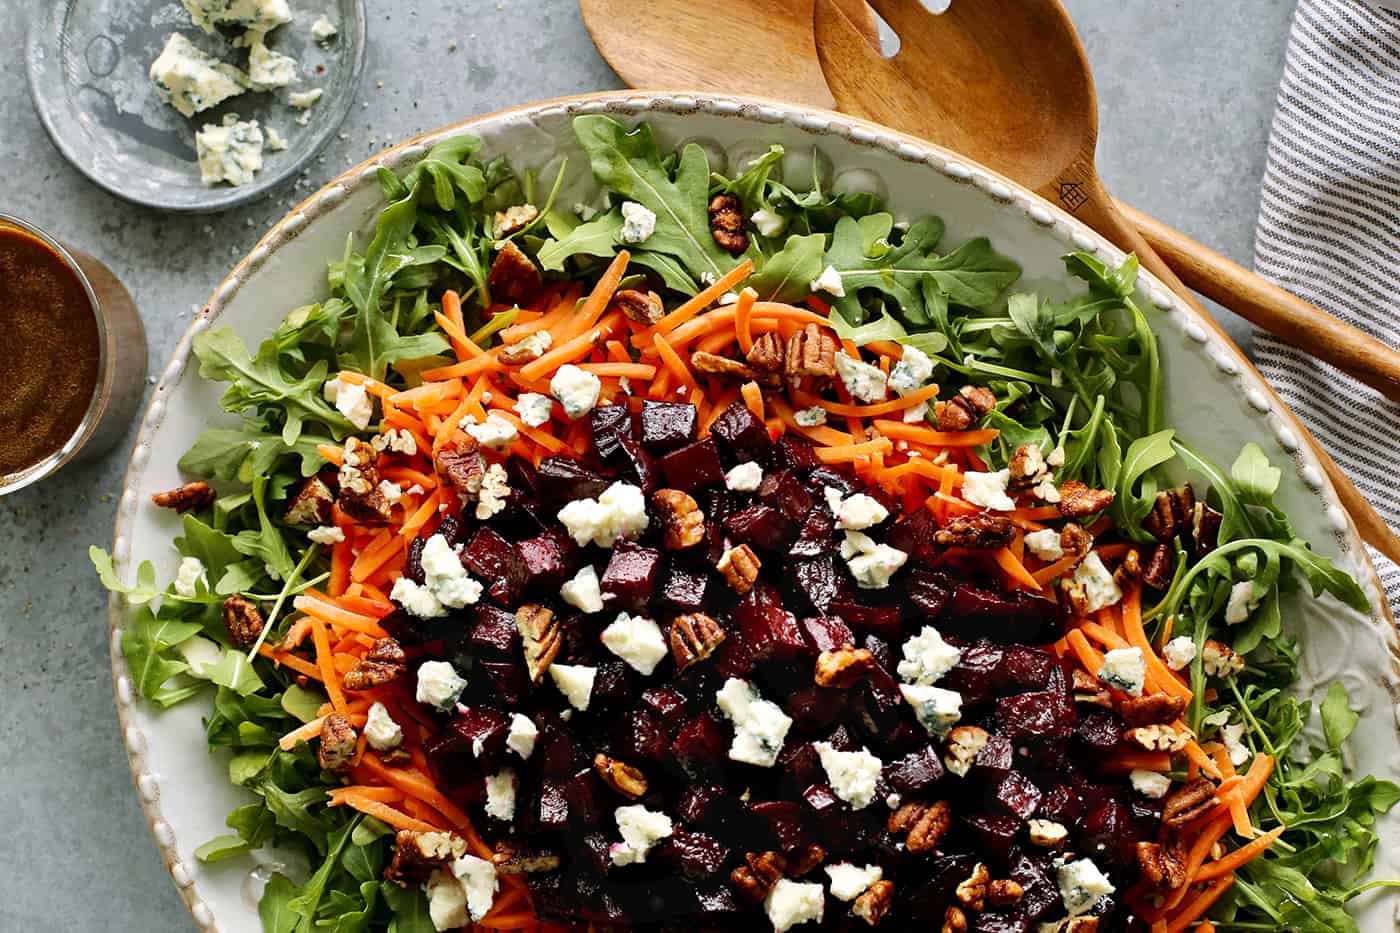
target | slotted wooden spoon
x=1004, y=82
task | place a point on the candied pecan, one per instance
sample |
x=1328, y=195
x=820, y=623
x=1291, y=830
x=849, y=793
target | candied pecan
x=1047, y=833
x=524, y=351
x=542, y=635
x=1162, y=866
x=1027, y=465
x=1160, y=568
x=1003, y=892
x=1171, y=513
x=727, y=223
x=1162, y=737
x=682, y=521
x=1075, y=539
x=243, y=621
x=1078, y=500
x=954, y=921
x=381, y=664
x=1152, y=709
x=620, y=776
x=965, y=409
x=844, y=667
x=803, y=859
x=739, y=566
x=972, y=891
x=513, y=219
x=981, y=531
x=643, y=307
x=360, y=497
x=875, y=902
x=368, y=507
x=931, y=826
x=514, y=277
x=1205, y=529
x=810, y=352
x=766, y=355
x=1129, y=569
x=1220, y=660
x=1089, y=689
x=337, y=743
x=1189, y=801
x=757, y=877
x=418, y=854
x=512, y=861
x=311, y=505
x=1079, y=925
x=187, y=498
x=694, y=637
x=463, y=466
x=965, y=743
x=713, y=365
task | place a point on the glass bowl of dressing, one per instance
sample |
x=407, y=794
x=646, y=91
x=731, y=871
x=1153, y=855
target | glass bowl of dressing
x=74, y=368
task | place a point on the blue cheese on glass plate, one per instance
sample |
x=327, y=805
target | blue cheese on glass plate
x=258, y=16
x=268, y=69
x=231, y=152
x=191, y=80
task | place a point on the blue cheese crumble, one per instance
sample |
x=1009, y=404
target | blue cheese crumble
x=191, y=80
x=927, y=657
x=872, y=564
x=258, y=16
x=620, y=512
x=638, y=223
x=1081, y=885
x=745, y=477
x=830, y=282
x=583, y=591
x=439, y=685
x=641, y=829
x=576, y=389
x=913, y=370
x=231, y=152
x=852, y=775
x=988, y=490
x=636, y=640
x=268, y=70
x=575, y=681
x=863, y=380
x=760, y=725
x=1124, y=669
x=793, y=902
x=937, y=710
x=1100, y=590
x=522, y=735
x=849, y=882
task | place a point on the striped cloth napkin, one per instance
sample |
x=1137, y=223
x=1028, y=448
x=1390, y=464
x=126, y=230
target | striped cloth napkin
x=1329, y=231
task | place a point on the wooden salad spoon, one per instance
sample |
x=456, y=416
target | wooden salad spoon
x=966, y=82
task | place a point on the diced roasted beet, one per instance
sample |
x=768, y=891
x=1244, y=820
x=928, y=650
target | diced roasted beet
x=1017, y=794
x=880, y=620
x=584, y=793
x=1146, y=812
x=700, y=747
x=916, y=772
x=507, y=681
x=405, y=628
x=1012, y=617
x=636, y=466
x=989, y=922
x=914, y=535
x=640, y=736
x=451, y=529
x=927, y=594
x=734, y=657
x=994, y=760
x=760, y=526
x=555, y=751
x=665, y=702
x=697, y=856
x=693, y=466
x=787, y=492
x=743, y=435
x=684, y=589
x=880, y=649
x=822, y=801
x=551, y=809
x=1041, y=715
x=994, y=832
x=614, y=686
x=1040, y=891
x=716, y=503
x=609, y=426
x=545, y=561
x=820, y=583
x=1098, y=731
x=413, y=567
x=792, y=453
x=882, y=701
x=769, y=630
x=708, y=806
x=631, y=576
x=974, y=676
x=1024, y=668
x=813, y=709
x=717, y=903
x=837, y=478
x=1108, y=833
x=827, y=633
x=667, y=425
x=1061, y=803
x=492, y=558
x=593, y=855
x=842, y=740
x=562, y=479
x=816, y=536
x=783, y=820
x=924, y=899
x=494, y=630
x=521, y=475
x=483, y=730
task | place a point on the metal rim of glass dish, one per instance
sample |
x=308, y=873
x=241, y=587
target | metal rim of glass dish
x=87, y=63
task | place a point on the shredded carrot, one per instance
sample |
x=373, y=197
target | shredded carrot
x=743, y=319
x=704, y=298
x=1017, y=571
x=1156, y=667
x=369, y=792
x=849, y=452
x=629, y=370
x=342, y=557
x=753, y=398
x=567, y=352
x=879, y=408
x=602, y=293
x=300, y=665
x=1236, y=859
x=1059, y=568
x=1140, y=761
x=674, y=363
x=330, y=678
x=329, y=612
x=387, y=814
x=899, y=431
x=1201, y=904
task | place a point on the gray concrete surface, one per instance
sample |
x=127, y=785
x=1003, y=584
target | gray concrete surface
x=1187, y=95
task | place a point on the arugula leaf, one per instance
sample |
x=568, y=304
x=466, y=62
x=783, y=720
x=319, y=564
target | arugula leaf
x=1136, y=491
x=596, y=237
x=137, y=594
x=221, y=848
x=410, y=906
x=1255, y=479
x=446, y=168
x=302, y=702
x=751, y=186
x=787, y=275
x=235, y=672
x=239, y=453
x=148, y=643
x=1338, y=719
x=883, y=328
x=266, y=543
x=275, y=906
x=308, y=898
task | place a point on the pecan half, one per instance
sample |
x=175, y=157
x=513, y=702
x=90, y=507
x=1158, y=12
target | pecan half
x=1205, y=529
x=542, y=635
x=802, y=860
x=311, y=505
x=810, y=352
x=875, y=902
x=1171, y=513
x=844, y=667
x=187, y=498
x=965, y=743
x=766, y=355
x=527, y=350
x=1129, y=569
x=1003, y=892
x=1079, y=501
x=713, y=365
x=727, y=223
x=739, y=566
x=965, y=409
x=1220, y=660
x=954, y=921
x=1089, y=689
x=926, y=823
x=694, y=637
x=1160, y=568
x=1152, y=709
x=512, y=861
x=620, y=776
x=757, y=876
x=1188, y=802
x=359, y=496
x=382, y=664
x=1079, y=925
x=642, y=307
x=982, y=531
x=417, y=855
x=1075, y=539
x=1047, y=833
x=337, y=743
x=463, y=466
x=513, y=219
x=1159, y=738
x=1162, y=866
x=682, y=521
x=971, y=892
x=514, y=277
x=1027, y=466
x=243, y=621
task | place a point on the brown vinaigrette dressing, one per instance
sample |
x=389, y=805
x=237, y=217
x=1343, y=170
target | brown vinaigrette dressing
x=49, y=351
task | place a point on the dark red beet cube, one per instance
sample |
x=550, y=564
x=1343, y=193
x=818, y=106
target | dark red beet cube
x=881, y=620
x=816, y=536
x=683, y=589
x=820, y=583
x=882, y=703
x=769, y=630
x=787, y=492
x=521, y=474
x=759, y=526
x=734, y=657
x=700, y=747
x=1040, y=891
x=916, y=772
x=914, y=536
x=974, y=676
x=563, y=479
x=1017, y=794
x=483, y=730
x=1098, y=731
x=555, y=751
x=814, y=709
x=551, y=811
x=927, y=594
x=988, y=922
x=925, y=900
x=636, y=466
x=640, y=736
x=835, y=477
x=827, y=633
x=609, y=426
x=742, y=434
x=507, y=681
x=718, y=903
x=1041, y=716
x=407, y=628
x=494, y=630
x=1108, y=834
x=822, y=801
x=783, y=821
x=994, y=832
x=792, y=453
x=545, y=561
x=1024, y=668
x=697, y=856
x=994, y=760
x=693, y=466
x=708, y=806
x=667, y=425
x=614, y=686
x=631, y=576
x=1062, y=804
x=1006, y=617
x=664, y=702
x=585, y=795
x=716, y=505
x=492, y=558
x=451, y=529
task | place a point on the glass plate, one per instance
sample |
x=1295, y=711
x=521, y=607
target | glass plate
x=88, y=64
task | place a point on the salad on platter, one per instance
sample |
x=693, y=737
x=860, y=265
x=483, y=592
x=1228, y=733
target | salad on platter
x=721, y=552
